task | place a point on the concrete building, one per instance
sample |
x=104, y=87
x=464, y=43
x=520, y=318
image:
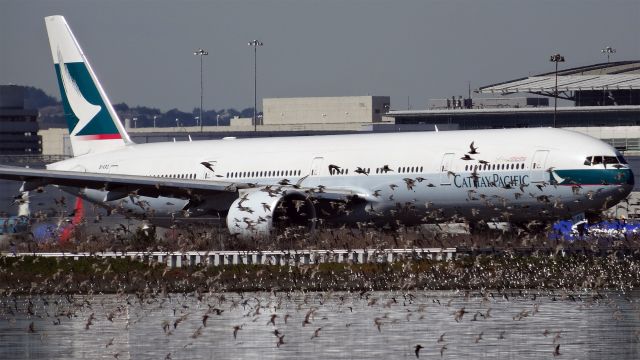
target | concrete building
x=18, y=126
x=346, y=110
x=55, y=141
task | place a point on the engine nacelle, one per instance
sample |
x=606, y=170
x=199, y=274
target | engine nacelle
x=257, y=212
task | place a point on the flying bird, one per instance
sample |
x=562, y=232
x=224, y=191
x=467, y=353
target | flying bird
x=385, y=169
x=442, y=349
x=334, y=169
x=236, y=329
x=417, y=350
x=316, y=333
x=208, y=165
x=473, y=149
x=360, y=170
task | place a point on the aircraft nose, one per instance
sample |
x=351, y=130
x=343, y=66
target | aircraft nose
x=629, y=182
x=630, y=178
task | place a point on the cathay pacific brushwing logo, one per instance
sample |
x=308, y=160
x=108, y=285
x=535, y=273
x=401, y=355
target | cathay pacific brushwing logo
x=557, y=177
x=82, y=109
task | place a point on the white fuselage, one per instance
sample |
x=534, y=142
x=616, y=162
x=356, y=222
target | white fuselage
x=429, y=180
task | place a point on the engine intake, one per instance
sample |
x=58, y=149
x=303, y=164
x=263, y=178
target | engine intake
x=256, y=213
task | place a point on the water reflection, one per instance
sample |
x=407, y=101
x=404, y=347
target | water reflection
x=513, y=325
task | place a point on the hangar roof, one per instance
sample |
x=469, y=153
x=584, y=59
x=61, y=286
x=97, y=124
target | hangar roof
x=621, y=75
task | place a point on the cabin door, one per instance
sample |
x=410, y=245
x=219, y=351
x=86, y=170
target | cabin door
x=316, y=165
x=538, y=164
x=445, y=177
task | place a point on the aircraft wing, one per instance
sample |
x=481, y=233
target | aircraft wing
x=121, y=185
x=145, y=185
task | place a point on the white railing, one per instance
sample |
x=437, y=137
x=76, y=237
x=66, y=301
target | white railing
x=288, y=257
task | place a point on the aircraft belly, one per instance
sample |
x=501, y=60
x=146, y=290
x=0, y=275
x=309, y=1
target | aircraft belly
x=139, y=205
x=491, y=197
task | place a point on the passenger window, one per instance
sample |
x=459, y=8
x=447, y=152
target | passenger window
x=587, y=161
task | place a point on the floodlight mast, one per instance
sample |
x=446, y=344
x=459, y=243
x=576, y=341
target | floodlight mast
x=255, y=44
x=556, y=58
x=608, y=50
x=201, y=52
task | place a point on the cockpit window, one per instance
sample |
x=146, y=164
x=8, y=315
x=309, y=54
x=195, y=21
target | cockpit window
x=610, y=160
x=621, y=159
x=597, y=160
x=606, y=160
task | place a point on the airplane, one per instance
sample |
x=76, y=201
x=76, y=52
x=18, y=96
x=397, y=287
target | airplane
x=265, y=184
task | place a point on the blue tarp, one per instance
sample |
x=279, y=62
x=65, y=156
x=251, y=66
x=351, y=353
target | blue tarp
x=569, y=230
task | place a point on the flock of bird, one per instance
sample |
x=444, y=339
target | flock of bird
x=442, y=324
x=297, y=306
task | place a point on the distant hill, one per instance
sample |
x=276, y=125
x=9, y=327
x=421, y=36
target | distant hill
x=51, y=113
x=35, y=98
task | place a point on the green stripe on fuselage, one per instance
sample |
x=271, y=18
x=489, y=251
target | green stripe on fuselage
x=102, y=123
x=594, y=177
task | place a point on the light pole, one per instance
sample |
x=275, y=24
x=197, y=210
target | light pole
x=217, y=120
x=255, y=44
x=135, y=122
x=154, y=120
x=200, y=52
x=608, y=50
x=556, y=58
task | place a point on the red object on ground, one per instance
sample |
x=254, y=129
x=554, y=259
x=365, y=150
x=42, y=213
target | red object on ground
x=78, y=215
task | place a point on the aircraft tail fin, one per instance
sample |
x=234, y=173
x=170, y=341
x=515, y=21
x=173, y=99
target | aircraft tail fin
x=93, y=124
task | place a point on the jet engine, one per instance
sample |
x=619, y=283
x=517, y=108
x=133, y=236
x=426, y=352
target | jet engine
x=257, y=212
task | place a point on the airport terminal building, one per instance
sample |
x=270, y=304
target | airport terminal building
x=604, y=95
x=18, y=126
